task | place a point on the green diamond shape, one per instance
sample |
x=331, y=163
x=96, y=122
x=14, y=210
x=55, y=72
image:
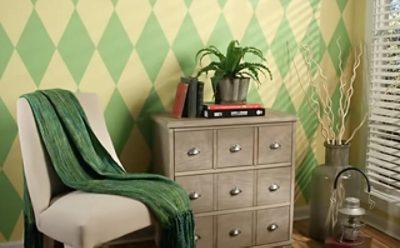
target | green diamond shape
x=76, y=47
x=283, y=101
x=186, y=43
x=114, y=2
x=221, y=35
x=283, y=47
x=254, y=37
x=35, y=47
x=314, y=41
x=222, y=3
x=6, y=50
x=254, y=3
x=115, y=47
x=152, y=47
x=8, y=130
x=152, y=2
x=253, y=95
x=10, y=206
x=151, y=106
x=307, y=117
x=342, y=36
x=341, y=4
x=335, y=107
x=285, y=3
x=75, y=2
x=304, y=173
x=188, y=3
x=119, y=121
x=315, y=4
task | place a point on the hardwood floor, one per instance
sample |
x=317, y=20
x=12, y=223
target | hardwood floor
x=301, y=239
x=378, y=238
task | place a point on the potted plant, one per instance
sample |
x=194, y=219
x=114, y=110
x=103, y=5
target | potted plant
x=232, y=73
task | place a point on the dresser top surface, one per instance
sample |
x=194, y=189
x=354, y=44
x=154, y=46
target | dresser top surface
x=271, y=116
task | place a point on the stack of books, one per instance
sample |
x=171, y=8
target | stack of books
x=233, y=110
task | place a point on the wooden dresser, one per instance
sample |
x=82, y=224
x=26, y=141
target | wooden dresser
x=238, y=172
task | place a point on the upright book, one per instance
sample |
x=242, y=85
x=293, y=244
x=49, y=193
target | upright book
x=180, y=98
x=190, y=109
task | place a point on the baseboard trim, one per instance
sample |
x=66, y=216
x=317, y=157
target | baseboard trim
x=382, y=224
x=14, y=244
x=301, y=213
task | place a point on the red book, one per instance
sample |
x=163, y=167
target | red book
x=180, y=97
x=233, y=106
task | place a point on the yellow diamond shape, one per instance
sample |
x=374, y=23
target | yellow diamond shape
x=55, y=16
x=134, y=85
x=167, y=80
x=235, y=9
x=136, y=154
x=13, y=16
x=330, y=15
x=205, y=14
x=170, y=23
x=299, y=14
x=133, y=16
x=269, y=20
x=57, y=75
x=97, y=80
x=15, y=82
x=13, y=167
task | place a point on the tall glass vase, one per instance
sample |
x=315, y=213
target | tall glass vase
x=323, y=176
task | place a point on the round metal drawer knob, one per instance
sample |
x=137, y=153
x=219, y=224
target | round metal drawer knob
x=273, y=187
x=235, y=148
x=193, y=152
x=235, y=191
x=197, y=237
x=235, y=233
x=275, y=146
x=272, y=227
x=194, y=196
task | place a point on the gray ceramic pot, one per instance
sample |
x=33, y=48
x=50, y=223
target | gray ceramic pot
x=233, y=90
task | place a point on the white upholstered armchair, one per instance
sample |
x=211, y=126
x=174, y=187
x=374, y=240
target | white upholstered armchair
x=75, y=218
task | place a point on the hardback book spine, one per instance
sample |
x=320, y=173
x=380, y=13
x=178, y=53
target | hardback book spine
x=233, y=113
x=233, y=106
x=190, y=109
x=180, y=97
x=200, y=97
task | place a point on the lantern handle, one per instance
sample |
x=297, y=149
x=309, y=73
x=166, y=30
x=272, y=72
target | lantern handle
x=356, y=169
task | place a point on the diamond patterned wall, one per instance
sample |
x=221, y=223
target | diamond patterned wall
x=132, y=54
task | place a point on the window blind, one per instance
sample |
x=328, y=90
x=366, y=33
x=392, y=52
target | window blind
x=383, y=156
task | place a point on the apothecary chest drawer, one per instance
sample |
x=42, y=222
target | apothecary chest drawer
x=235, y=230
x=274, y=185
x=235, y=146
x=235, y=190
x=274, y=144
x=193, y=150
x=204, y=233
x=200, y=191
x=272, y=225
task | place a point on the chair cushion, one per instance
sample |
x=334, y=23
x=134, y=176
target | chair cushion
x=82, y=219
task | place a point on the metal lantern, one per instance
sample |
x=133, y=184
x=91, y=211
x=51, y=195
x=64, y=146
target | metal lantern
x=350, y=221
x=348, y=229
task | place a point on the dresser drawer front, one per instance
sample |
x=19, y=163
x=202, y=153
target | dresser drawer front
x=274, y=186
x=193, y=150
x=275, y=144
x=200, y=191
x=235, y=190
x=235, y=230
x=272, y=225
x=204, y=232
x=235, y=146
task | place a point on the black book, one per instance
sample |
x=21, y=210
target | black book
x=190, y=108
x=233, y=113
x=200, y=98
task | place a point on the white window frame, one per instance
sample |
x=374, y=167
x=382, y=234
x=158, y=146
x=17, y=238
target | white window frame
x=386, y=201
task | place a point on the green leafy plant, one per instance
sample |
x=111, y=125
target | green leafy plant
x=233, y=63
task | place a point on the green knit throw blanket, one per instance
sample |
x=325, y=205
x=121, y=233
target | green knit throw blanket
x=84, y=164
